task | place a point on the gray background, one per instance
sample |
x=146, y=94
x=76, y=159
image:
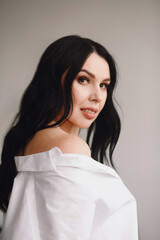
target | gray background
x=130, y=31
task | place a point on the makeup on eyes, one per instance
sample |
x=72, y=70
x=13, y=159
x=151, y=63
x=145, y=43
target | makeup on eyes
x=92, y=75
x=82, y=79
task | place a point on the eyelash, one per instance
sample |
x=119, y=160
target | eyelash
x=81, y=80
x=106, y=85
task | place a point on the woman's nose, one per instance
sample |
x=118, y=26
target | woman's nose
x=95, y=95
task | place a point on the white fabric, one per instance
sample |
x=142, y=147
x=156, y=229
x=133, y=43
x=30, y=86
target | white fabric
x=68, y=197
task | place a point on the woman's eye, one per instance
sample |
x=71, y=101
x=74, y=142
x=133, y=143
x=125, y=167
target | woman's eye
x=103, y=85
x=83, y=80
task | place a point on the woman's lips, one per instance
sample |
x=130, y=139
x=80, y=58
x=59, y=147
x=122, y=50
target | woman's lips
x=89, y=112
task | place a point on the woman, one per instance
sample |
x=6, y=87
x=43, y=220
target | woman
x=60, y=192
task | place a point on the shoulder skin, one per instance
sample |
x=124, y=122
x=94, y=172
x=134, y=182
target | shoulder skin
x=73, y=144
x=49, y=138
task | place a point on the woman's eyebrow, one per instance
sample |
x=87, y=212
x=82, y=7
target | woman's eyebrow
x=93, y=76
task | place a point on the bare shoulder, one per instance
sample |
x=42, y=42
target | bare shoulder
x=73, y=144
x=67, y=143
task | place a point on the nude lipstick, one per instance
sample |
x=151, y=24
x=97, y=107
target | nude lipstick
x=89, y=112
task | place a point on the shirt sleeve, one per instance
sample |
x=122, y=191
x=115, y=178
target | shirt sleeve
x=47, y=206
x=65, y=208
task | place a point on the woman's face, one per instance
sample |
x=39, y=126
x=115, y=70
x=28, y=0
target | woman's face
x=89, y=93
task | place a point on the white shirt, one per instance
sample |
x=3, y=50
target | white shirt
x=59, y=196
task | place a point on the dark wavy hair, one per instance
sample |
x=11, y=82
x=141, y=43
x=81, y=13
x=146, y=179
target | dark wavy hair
x=44, y=99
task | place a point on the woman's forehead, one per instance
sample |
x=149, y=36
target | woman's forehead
x=97, y=65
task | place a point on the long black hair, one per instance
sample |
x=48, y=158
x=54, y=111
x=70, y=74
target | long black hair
x=44, y=99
